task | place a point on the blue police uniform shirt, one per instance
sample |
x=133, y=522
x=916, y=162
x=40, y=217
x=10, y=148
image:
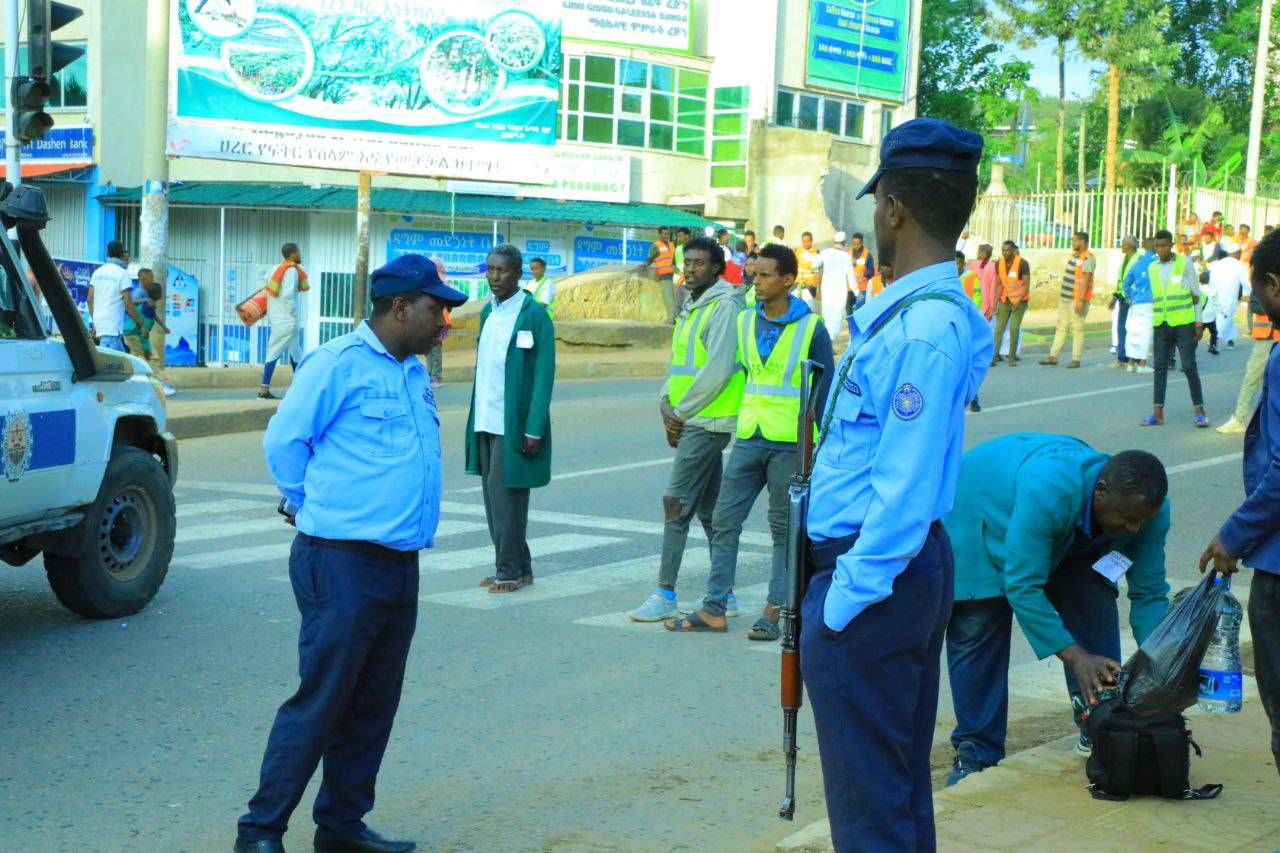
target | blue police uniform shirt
x=355, y=445
x=888, y=465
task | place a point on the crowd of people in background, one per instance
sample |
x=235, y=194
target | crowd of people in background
x=1170, y=292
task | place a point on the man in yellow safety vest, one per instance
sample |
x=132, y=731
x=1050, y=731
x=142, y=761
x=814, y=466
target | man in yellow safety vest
x=699, y=410
x=1175, y=291
x=773, y=338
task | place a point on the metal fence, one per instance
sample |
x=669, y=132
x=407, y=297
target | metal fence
x=1048, y=220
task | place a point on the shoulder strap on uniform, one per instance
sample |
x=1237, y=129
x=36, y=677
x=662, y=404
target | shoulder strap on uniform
x=847, y=361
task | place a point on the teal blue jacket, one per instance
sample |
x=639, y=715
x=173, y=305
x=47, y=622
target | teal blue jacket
x=1020, y=501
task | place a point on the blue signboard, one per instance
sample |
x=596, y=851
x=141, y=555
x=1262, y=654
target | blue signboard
x=74, y=144
x=592, y=252
x=463, y=252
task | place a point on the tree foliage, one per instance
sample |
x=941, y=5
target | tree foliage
x=963, y=79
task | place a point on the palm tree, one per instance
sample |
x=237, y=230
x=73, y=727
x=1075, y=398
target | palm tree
x=1029, y=21
x=1127, y=35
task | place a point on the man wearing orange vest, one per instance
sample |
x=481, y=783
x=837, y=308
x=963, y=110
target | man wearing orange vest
x=1076, y=295
x=972, y=285
x=283, y=288
x=864, y=269
x=1014, y=290
x=662, y=257
x=880, y=281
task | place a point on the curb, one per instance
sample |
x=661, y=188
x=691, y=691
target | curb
x=253, y=418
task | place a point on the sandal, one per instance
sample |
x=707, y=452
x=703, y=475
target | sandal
x=693, y=624
x=500, y=586
x=1150, y=420
x=491, y=579
x=764, y=630
x=1202, y=421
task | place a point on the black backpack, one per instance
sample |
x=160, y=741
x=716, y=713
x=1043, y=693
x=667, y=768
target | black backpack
x=1141, y=754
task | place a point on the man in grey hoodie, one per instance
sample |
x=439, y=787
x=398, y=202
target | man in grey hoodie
x=699, y=409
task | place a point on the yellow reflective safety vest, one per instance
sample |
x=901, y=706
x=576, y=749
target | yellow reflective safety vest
x=688, y=355
x=1171, y=300
x=771, y=397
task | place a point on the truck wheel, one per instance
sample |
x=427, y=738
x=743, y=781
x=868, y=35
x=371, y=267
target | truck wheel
x=126, y=545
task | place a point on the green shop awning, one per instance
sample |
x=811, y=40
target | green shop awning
x=415, y=203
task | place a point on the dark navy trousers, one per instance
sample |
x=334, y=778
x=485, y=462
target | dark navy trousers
x=873, y=688
x=978, y=651
x=359, y=610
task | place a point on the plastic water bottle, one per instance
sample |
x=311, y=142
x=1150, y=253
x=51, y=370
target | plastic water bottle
x=1221, y=687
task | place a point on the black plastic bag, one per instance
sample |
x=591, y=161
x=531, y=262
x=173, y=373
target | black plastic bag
x=1163, y=675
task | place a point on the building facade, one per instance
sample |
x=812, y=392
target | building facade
x=766, y=114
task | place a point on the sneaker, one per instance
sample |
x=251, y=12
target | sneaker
x=730, y=607
x=1232, y=427
x=1131, y=367
x=656, y=608
x=965, y=763
x=436, y=383
x=1145, y=370
x=169, y=390
x=1213, y=349
x=1084, y=746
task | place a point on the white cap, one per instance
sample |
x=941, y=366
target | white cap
x=840, y=237
x=1229, y=246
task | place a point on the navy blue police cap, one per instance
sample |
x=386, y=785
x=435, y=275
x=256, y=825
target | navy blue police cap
x=409, y=273
x=927, y=143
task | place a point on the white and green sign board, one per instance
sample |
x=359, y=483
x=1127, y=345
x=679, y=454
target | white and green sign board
x=861, y=47
x=415, y=87
x=665, y=25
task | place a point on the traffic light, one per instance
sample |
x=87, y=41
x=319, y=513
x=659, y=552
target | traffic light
x=45, y=57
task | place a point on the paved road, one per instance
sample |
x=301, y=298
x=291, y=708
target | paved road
x=537, y=721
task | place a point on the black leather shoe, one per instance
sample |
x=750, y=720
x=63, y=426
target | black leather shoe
x=328, y=841
x=270, y=845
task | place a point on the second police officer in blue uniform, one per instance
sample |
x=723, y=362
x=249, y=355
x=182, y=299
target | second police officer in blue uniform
x=355, y=450
x=877, y=607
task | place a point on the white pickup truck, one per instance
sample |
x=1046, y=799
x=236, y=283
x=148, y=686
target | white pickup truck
x=86, y=465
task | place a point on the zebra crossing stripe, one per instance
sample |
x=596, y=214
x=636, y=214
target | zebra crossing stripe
x=637, y=571
x=199, y=508
x=543, y=546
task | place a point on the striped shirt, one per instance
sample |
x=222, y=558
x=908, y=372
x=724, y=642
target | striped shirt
x=1069, y=276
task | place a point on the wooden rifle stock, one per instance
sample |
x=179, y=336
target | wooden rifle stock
x=799, y=569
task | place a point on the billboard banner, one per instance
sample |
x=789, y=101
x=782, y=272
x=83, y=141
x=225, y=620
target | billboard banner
x=665, y=25
x=452, y=90
x=590, y=252
x=181, y=305
x=463, y=252
x=580, y=174
x=861, y=47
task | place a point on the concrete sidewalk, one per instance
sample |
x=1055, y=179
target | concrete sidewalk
x=1036, y=800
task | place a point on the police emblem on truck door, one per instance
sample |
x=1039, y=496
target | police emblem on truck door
x=17, y=444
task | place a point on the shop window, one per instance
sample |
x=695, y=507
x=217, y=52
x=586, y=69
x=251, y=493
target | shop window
x=854, y=118
x=808, y=119
x=837, y=116
x=729, y=137
x=832, y=114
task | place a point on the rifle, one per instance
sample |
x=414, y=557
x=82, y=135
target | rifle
x=799, y=569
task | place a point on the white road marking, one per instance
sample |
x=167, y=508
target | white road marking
x=199, y=508
x=589, y=472
x=580, y=582
x=1080, y=395
x=600, y=522
x=279, y=550
x=467, y=558
x=1203, y=463
x=750, y=601
x=231, y=530
x=237, y=488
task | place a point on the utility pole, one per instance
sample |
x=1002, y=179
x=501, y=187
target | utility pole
x=360, y=288
x=13, y=169
x=154, y=217
x=1259, y=93
x=1081, y=221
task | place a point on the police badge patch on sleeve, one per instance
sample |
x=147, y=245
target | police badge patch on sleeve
x=908, y=402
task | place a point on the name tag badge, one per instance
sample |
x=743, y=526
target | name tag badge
x=524, y=339
x=1113, y=566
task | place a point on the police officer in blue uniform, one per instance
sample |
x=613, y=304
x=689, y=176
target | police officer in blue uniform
x=885, y=474
x=355, y=450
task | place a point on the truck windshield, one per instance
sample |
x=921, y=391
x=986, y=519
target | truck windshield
x=19, y=317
